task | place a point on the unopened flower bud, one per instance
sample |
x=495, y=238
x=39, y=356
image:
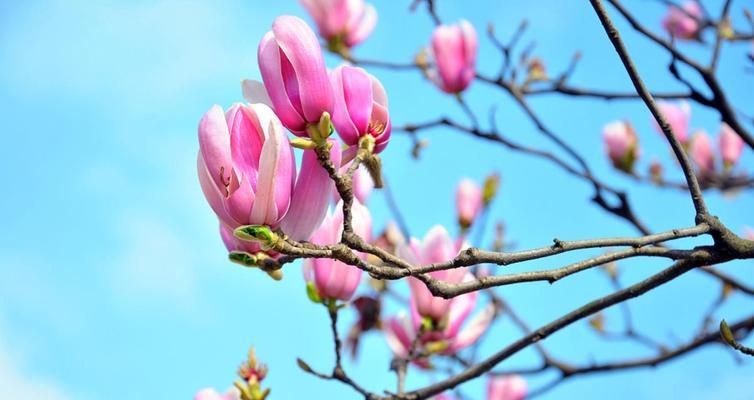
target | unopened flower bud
x=490, y=188
x=655, y=171
x=536, y=70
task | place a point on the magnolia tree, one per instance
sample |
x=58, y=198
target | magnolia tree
x=274, y=211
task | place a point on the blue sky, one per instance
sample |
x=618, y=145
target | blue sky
x=115, y=283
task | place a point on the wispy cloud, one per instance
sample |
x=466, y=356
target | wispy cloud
x=17, y=381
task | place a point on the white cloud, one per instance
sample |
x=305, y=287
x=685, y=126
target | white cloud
x=16, y=379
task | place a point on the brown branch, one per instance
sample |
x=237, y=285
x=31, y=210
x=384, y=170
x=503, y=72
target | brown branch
x=703, y=256
x=614, y=36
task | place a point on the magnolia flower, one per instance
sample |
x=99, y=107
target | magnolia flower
x=334, y=279
x=342, y=22
x=449, y=338
x=454, y=48
x=360, y=107
x=683, y=23
x=469, y=202
x=437, y=246
x=506, y=387
x=621, y=144
x=294, y=74
x=362, y=184
x=731, y=146
x=678, y=115
x=212, y=394
x=701, y=153
x=248, y=173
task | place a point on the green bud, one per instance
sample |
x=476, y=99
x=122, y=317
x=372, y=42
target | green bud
x=426, y=324
x=490, y=188
x=726, y=334
x=303, y=143
x=325, y=126
x=243, y=258
x=312, y=293
x=304, y=366
x=436, y=347
x=259, y=233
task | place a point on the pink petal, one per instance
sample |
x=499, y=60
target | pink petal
x=357, y=92
x=269, y=55
x=214, y=145
x=359, y=31
x=238, y=205
x=460, y=308
x=311, y=196
x=471, y=333
x=246, y=140
x=399, y=334
x=211, y=192
x=437, y=246
x=342, y=122
x=731, y=144
x=254, y=92
x=276, y=173
x=701, y=152
x=301, y=48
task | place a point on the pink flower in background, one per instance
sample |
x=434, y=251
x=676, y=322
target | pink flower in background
x=506, y=387
x=362, y=184
x=678, y=116
x=346, y=22
x=702, y=154
x=621, y=144
x=683, y=23
x=454, y=48
x=248, y=173
x=401, y=330
x=294, y=74
x=468, y=202
x=437, y=246
x=748, y=233
x=360, y=107
x=731, y=146
x=334, y=279
x=212, y=394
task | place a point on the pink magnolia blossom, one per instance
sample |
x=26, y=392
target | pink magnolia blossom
x=678, y=116
x=334, y=279
x=621, y=144
x=401, y=330
x=468, y=201
x=437, y=246
x=454, y=48
x=248, y=174
x=683, y=23
x=731, y=145
x=362, y=184
x=346, y=22
x=294, y=74
x=506, y=387
x=360, y=107
x=702, y=154
x=212, y=394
